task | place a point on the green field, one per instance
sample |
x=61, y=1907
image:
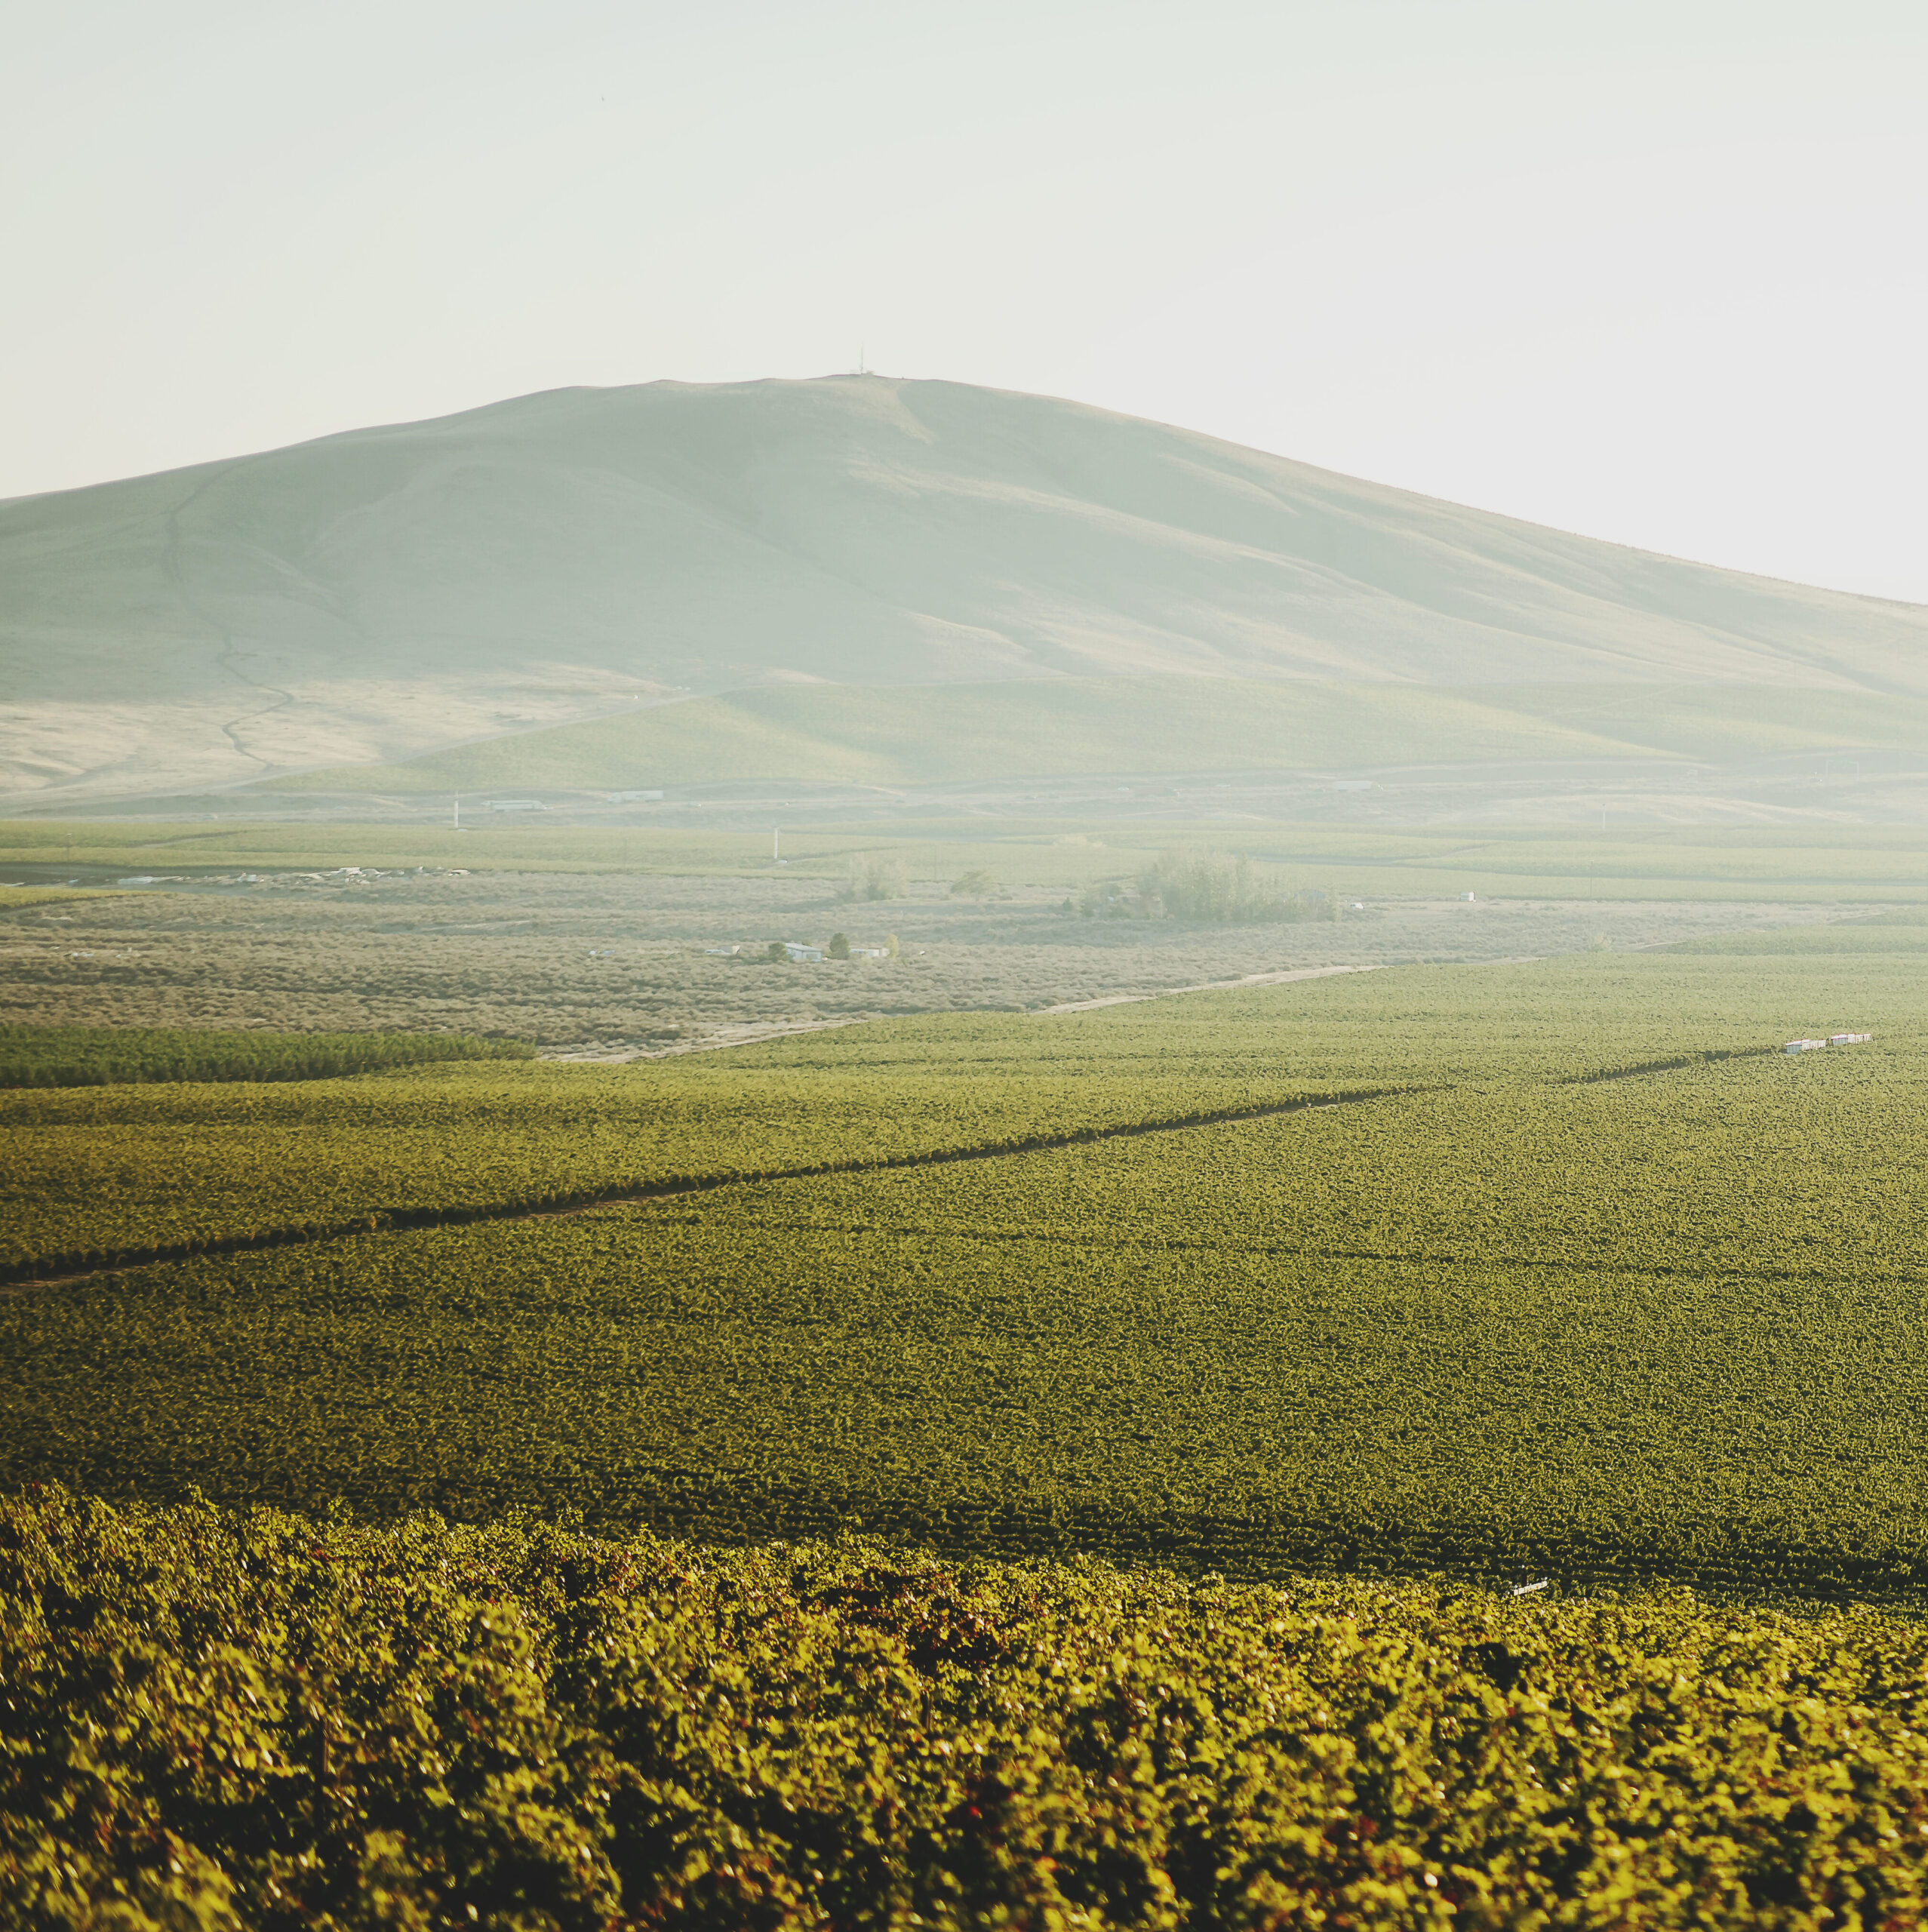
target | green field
x=1497, y=1309
x=13, y=898
x=127, y=1056
x=103, y=1171
x=1827, y=865
x=922, y=734
x=263, y=1721
x=1378, y=1295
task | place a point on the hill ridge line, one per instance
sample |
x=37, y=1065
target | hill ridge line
x=380, y=588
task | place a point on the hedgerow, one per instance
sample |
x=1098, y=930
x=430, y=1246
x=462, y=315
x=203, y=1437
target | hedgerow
x=268, y=1720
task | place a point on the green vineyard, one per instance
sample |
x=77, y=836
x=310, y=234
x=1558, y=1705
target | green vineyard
x=1340, y=1311
x=1559, y=1266
x=95, y=1174
x=262, y=1720
x=121, y=1056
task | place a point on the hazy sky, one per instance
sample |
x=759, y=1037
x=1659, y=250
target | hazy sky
x=1657, y=273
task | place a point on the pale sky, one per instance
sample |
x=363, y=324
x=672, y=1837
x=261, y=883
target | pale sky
x=1656, y=273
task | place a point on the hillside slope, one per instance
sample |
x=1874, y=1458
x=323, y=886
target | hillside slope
x=1034, y=729
x=395, y=591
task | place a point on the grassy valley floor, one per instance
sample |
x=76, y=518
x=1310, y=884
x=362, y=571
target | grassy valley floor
x=612, y=964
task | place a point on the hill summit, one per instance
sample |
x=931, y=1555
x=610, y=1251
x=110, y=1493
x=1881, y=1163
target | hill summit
x=375, y=595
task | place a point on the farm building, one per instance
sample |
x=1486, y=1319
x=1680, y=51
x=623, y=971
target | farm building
x=814, y=953
x=1848, y=1039
x=1804, y=1046
x=723, y=951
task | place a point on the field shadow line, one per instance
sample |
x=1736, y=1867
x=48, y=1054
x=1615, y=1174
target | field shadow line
x=55, y=1271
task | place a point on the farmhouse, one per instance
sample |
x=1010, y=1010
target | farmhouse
x=1848, y=1039
x=1804, y=1046
x=812, y=953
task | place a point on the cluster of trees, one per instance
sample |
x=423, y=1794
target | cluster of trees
x=875, y=875
x=1207, y=888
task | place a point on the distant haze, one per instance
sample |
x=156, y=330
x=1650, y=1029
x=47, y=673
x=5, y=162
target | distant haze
x=1652, y=271
x=394, y=590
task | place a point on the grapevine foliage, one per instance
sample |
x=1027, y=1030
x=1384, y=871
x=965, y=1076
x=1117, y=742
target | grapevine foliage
x=266, y=1721
x=122, y=1056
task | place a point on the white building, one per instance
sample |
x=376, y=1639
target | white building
x=1804, y=1046
x=1848, y=1039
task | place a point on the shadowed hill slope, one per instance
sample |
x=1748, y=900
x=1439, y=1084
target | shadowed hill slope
x=398, y=591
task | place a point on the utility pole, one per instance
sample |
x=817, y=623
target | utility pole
x=458, y=814
x=776, y=845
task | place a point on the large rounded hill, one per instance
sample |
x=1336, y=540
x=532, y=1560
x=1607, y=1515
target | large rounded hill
x=855, y=574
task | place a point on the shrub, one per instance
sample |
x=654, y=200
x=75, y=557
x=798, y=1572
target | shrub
x=876, y=875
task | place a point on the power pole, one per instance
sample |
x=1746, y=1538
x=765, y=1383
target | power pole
x=776, y=845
